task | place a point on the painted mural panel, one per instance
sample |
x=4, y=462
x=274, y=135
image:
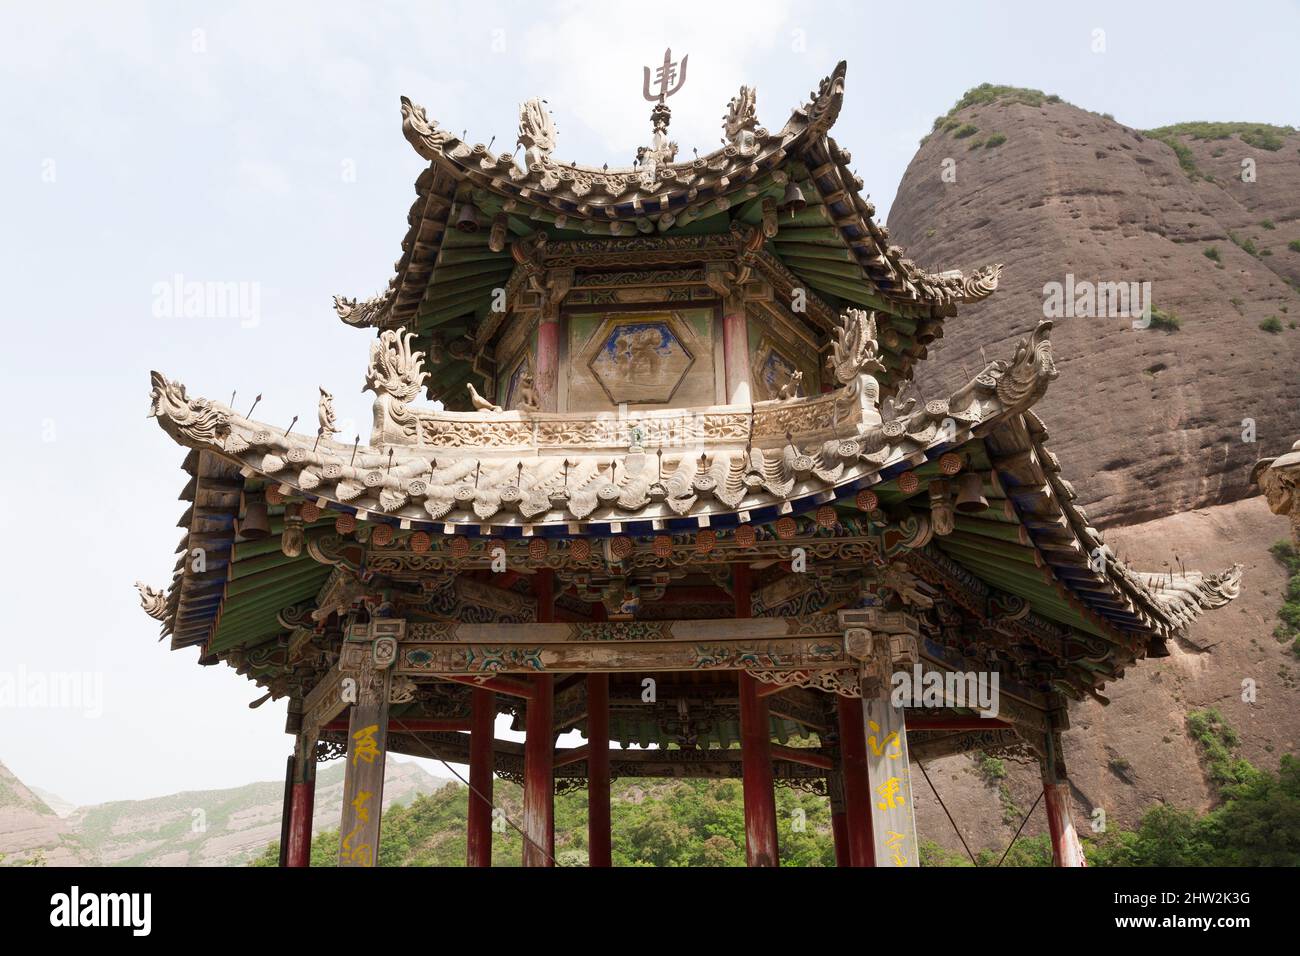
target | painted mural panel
x=642, y=359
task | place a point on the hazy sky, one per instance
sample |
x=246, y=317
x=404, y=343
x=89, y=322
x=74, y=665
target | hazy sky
x=261, y=143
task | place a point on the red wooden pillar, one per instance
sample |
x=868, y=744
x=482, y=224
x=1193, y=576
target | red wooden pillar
x=539, y=774
x=548, y=361
x=839, y=827
x=599, y=850
x=857, y=788
x=755, y=750
x=481, y=753
x=302, y=798
x=1066, y=848
x=756, y=765
x=735, y=351
x=539, y=745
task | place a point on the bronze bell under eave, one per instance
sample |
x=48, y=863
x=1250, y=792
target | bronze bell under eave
x=970, y=494
x=793, y=201
x=254, y=524
x=467, y=217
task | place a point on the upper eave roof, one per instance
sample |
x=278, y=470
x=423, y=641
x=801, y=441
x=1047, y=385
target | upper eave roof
x=659, y=197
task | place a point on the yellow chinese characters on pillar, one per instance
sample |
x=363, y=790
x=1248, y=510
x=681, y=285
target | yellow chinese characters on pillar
x=889, y=747
x=362, y=853
x=894, y=843
x=365, y=747
x=889, y=790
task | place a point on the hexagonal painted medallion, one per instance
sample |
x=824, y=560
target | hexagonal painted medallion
x=641, y=359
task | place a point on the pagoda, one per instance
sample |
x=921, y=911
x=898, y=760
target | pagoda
x=648, y=463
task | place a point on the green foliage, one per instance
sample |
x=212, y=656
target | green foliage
x=1166, y=321
x=1289, y=612
x=991, y=769
x=987, y=93
x=1181, y=150
x=1294, y=245
x=1271, y=324
x=1217, y=741
x=1026, y=851
x=1212, y=253
x=984, y=94
x=1259, y=135
x=1167, y=836
x=655, y=823
x=1267, y=224
x=997, y=139
x=966, y=129
x=1246, y=245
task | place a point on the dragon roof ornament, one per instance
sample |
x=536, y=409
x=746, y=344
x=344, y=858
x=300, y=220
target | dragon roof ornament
x=740, y=122
x=537, y=132
x=1184, y=595
x=855, y=358
x=363, y=314
x=153, y=600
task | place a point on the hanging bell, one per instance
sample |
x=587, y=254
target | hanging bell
x=970, y=494
x=467, y=217
x=793, y=201
x=254, y=524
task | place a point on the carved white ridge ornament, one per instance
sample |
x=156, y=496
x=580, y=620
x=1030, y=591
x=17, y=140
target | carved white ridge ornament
x=741, y=121
x=199, y=419
x=537, y=132
x=855, y=358
x=153, y=600
x=325, y=414
x=367, y=313
x=396, y=375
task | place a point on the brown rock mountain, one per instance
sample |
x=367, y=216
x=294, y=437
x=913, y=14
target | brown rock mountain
x=1146, y=422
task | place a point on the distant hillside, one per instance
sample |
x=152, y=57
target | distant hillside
x=193, y=828
x=1148, y=422
x=30, y=832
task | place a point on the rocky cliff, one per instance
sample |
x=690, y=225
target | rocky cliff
x=1146, y=422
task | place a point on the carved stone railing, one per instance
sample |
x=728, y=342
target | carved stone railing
x=764, y=425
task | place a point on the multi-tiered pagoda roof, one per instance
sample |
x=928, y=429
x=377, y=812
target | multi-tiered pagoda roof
x=951, y=505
